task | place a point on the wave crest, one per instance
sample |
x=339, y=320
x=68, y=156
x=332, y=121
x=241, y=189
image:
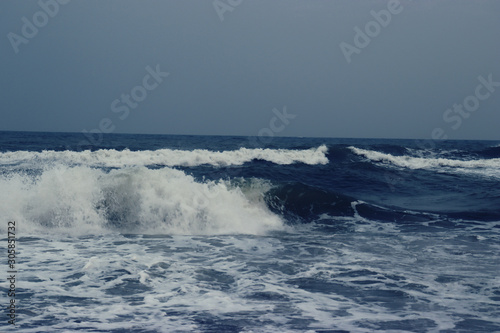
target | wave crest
x=81, y=200
x=489, y=167
x=166, y=157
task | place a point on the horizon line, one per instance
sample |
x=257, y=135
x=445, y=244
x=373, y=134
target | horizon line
x=240, y=135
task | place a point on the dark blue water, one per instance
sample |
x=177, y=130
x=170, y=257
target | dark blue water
x=152, y=233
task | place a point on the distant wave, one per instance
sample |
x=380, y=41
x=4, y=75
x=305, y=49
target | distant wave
x=486, y=166
x=166, y=157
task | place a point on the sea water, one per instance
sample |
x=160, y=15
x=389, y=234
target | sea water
x=151, y=233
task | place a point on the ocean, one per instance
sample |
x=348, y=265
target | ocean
x=159, y=233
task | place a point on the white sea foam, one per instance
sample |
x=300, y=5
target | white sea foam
x=82, y=200
x=166, y=157
x=373, y=279
x=483, y=166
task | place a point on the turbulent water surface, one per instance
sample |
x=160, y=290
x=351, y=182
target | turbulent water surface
x=226, y=234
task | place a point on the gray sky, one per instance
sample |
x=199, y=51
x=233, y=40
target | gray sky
x=230, y=66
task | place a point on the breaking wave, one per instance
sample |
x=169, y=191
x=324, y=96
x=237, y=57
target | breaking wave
x=166, y=157
x=82, y=200
x=489, y=167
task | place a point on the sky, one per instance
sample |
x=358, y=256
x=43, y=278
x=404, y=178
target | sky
x=421, y=69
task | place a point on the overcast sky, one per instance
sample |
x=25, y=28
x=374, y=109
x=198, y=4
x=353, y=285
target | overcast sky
x=67, y=66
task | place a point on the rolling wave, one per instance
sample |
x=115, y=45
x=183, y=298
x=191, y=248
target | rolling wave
x=302, y=203
x=166, y=157
x=490, y=152
x=83, y=200
x=79, y=200
x=489, y=167
x=117, y=191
